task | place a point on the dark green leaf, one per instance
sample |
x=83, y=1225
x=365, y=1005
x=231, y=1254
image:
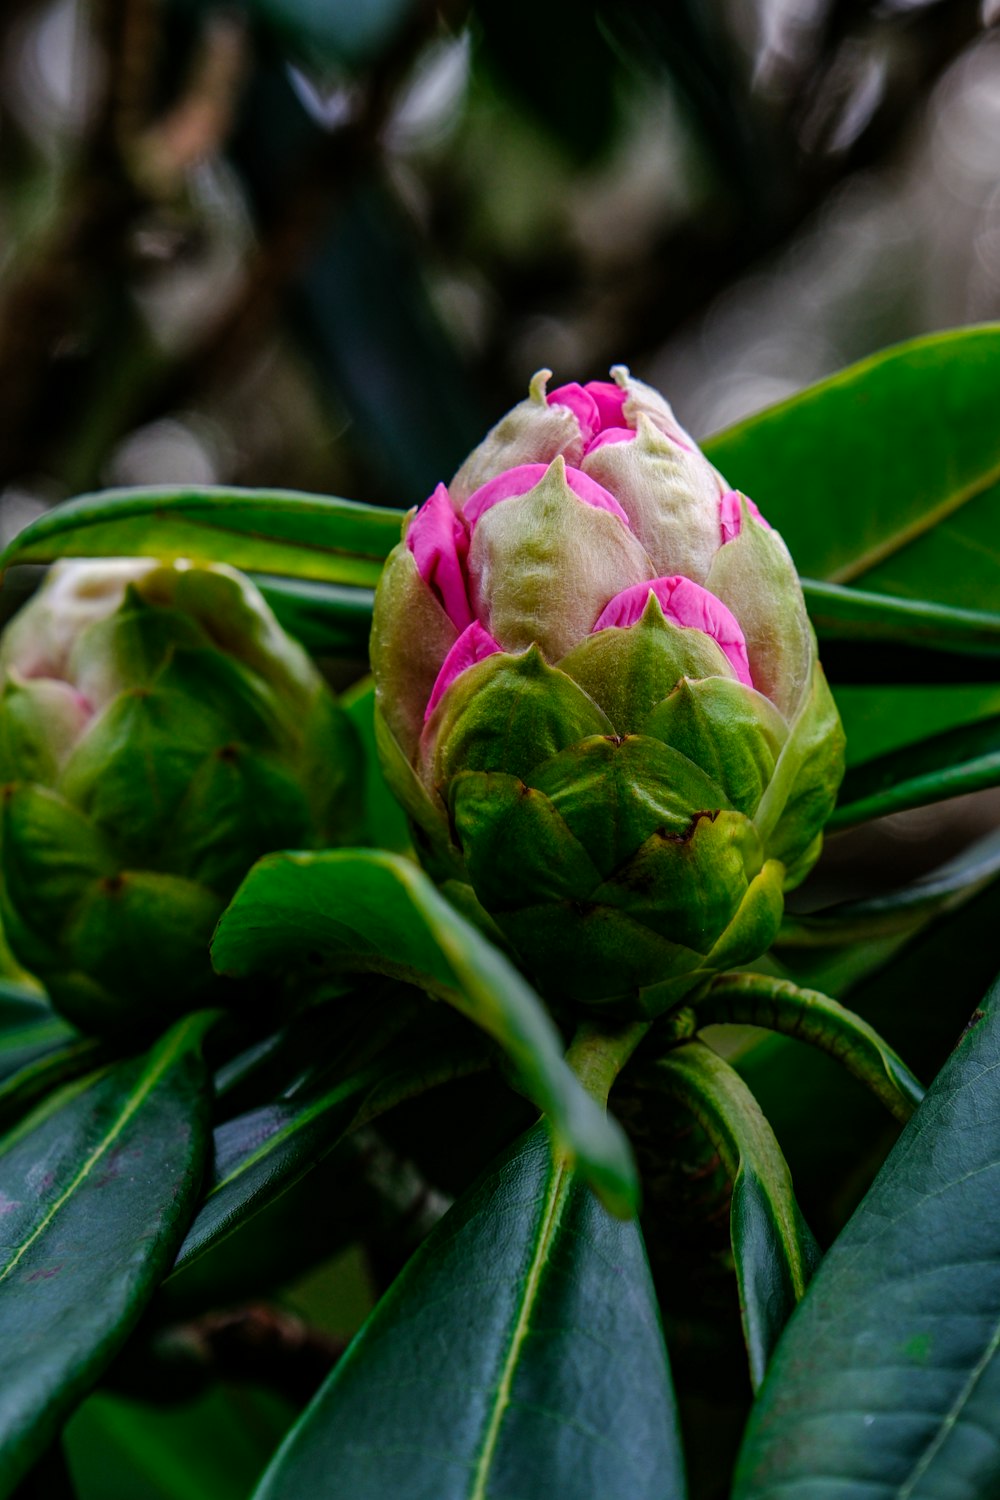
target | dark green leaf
x=211, y=1448
x=759, y=1000
x=849, y=614
x=888, y=1378
x=946, y=765
x=880, y=719
x=375, y=912
x=520, y=1353
x=886, y=472
x=329, y=620
x=96, y=1191
x=266, y=531
x=261, y=1154
x=44, y=1073
x=29, y=1028
x=385, y=820
x=772, y=1246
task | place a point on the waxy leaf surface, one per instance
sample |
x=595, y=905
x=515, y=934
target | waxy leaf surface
x=887, y=1380
x=519, y=1354
x=95, y=1189
x=370, y=911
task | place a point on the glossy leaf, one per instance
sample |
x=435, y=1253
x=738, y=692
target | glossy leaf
x=328, y=618
x=520, y=1353
x=267, y=531
x=883, y=718
x=772, y=1246
x=947, y=765
x=95, y=1196
x=45, y=1072
x=758, y=1000
x=29, y=1028
x=375, y=912
x=846, y=614
x=888, y=1378
x=879, y=472
x=261, y=1154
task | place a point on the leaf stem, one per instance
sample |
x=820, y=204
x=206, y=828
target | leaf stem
x=598, y=1052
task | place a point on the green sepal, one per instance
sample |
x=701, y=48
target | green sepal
x=144, y=939
x=629, y=670
x=688, y=887
x=518, y=851
x=755, y=576
x=545, y=563
x=732, y=732
x=507, y=713
x=238, y=806
x=130, y=773
x=40, y=721
x=242, y=704
x=428, y=819
x=803, y=789
x=586, y=954
x=130, y=647
x=49, y=853
x=411, y=636
x=614, y=794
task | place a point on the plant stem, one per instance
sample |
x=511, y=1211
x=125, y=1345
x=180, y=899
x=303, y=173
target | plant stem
x=598, y=1052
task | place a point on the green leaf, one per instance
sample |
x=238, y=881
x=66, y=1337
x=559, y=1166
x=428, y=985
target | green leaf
x=520, y=1353
x=45, y=1073
x=261, y=1154
x=29, y=1028
x=886, y=717
x=888, y=1378
x=95, y=1197
x=375, y=912
x=385, y=821
x=328, y=618
x=886, y=472
x=851, y=614
x=772, y=1246
x=759, y=1000
x=946, y=765
x=266, y=531
x=211, y=1448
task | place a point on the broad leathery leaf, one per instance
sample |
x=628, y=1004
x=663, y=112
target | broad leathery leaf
x=888, y=1377
x=519, y=1353
x=850, y=614
x=95, y=1199
x=856, y=470
x=385, y=820
x=773, y=1248
x=809, y=1016
x=960, y=760
x=29, y=1028
x=878, y=719
x=376, y=912
x=46, y=1072
x=329, y=619
x=261, y=1154
x=267, y=531
x=899, y=910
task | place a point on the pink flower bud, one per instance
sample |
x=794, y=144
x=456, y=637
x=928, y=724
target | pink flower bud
x=683, y=603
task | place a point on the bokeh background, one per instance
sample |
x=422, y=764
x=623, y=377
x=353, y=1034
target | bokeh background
x=324, y=243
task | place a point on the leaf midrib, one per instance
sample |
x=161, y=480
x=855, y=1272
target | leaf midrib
x=917, y=528
x=554, y=1202
x=155, y=1071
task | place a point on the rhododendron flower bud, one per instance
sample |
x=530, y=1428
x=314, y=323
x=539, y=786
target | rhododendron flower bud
x=599, y=700
x=159, y=732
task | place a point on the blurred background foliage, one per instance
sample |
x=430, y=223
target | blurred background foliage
x=321, y=244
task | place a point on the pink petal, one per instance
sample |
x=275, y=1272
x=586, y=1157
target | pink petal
x=731, y=515
x=474, y=644
x=583, y=406
x=610, y=402
x=683, y=603
x=518, y=481
x=610, y=435
x=439, y=542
